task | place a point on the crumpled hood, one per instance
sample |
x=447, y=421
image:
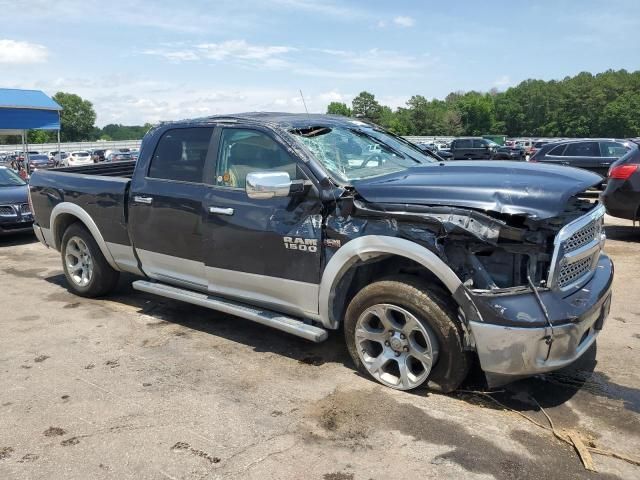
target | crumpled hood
x=537, y=190
x=12, y=195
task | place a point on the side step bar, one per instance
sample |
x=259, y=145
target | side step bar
x=265, y=317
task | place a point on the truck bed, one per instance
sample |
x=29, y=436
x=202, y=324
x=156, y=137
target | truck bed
x=100, y=190
x=115, y=169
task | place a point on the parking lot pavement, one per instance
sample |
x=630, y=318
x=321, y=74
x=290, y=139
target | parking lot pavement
x=136, y=386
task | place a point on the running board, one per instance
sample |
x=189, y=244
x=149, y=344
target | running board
x=265, y=317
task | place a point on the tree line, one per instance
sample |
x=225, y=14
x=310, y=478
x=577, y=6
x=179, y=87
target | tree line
x=585, y=105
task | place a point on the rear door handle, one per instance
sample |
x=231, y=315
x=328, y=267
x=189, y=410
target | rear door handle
x=221, y=211
x=141, y=199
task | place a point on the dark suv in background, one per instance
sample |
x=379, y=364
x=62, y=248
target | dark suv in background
x=473, y=148
x=622, y=195
x=594, y=154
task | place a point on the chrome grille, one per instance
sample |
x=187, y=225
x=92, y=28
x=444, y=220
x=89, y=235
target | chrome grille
x=571, y=272
x=577, y=250
x=583, y=236
x=25, y=209
x=7, y=211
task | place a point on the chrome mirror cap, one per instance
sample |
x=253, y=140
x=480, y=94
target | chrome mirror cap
x=264, y=185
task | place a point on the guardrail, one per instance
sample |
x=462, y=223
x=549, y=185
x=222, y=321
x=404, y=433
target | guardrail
x=114, y=144
x=73, y=146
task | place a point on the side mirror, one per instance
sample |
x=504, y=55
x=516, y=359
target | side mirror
x=265, y=185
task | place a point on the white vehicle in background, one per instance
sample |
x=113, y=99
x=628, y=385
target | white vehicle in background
x=75, y=159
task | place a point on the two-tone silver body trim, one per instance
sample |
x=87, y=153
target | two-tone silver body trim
x=170, y=269
x=289, y=296
x=124, y=257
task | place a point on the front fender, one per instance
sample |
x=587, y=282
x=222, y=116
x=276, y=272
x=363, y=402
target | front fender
x=371, y=246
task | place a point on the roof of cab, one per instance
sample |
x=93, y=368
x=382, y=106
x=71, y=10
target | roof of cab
x=279, y=119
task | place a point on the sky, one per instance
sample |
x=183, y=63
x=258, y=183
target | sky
x=143, y=61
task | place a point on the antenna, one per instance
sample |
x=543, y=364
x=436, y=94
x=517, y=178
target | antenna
x=305, y=104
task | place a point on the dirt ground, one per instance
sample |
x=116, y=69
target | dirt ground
x=136, y=386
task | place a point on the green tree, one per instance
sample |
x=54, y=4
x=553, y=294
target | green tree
x=77, y=117
x=366, y=106
x=40, y=136
x=620, y=118
x=338, y=108
x=476, y=112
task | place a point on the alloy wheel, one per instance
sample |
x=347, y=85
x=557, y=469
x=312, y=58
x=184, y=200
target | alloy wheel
x=395, y=347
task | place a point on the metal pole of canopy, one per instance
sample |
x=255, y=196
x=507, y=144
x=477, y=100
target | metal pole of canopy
x=59, y=126
x=26, y=154
x=24, y=148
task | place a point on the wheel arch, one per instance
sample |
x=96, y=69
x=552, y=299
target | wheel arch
x=66, y=213
x=371, y=247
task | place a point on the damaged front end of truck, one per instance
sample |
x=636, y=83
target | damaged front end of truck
x=535, y=288
x=517, y=245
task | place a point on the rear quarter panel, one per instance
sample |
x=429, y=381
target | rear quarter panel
x=103, y=198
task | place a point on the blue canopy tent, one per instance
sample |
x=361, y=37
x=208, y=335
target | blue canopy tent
x=23, y=110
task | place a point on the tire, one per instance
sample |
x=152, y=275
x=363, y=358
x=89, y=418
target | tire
x=95, y=277
x=437, y=331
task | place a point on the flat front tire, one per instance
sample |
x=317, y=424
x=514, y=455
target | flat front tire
x=87, y=271
x=404, y=333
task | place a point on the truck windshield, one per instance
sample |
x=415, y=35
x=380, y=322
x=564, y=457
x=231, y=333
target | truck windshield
x=10, y=179
x=360, y=152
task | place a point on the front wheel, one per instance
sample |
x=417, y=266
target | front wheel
x=404, y=333
x=88, y=272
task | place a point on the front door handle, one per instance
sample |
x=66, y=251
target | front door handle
x=221, y=211
x=141, y=199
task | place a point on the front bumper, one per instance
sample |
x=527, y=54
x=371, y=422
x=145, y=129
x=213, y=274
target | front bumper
x=9, y=229
x=16, y=224
x=508, y=352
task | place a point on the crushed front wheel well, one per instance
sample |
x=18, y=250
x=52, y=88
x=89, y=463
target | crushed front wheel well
x=362, y=273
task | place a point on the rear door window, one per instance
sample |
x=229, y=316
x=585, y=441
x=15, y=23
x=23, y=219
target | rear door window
x=582, y=149
x=612, y=149
x=463, y=144
x=181, y=154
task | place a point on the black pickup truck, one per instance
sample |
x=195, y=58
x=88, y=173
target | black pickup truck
x=310, y=223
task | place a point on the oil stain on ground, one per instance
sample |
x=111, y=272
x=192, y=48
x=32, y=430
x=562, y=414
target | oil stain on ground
x=26, y=273
x=54, y=432
x=348, y=418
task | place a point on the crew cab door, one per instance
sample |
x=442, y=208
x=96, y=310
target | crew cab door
x=165, y=208
x=262, y=251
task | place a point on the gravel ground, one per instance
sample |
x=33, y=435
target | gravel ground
x=136, y=386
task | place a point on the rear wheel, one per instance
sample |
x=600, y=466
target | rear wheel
x=88, y=272
x=404, y=333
